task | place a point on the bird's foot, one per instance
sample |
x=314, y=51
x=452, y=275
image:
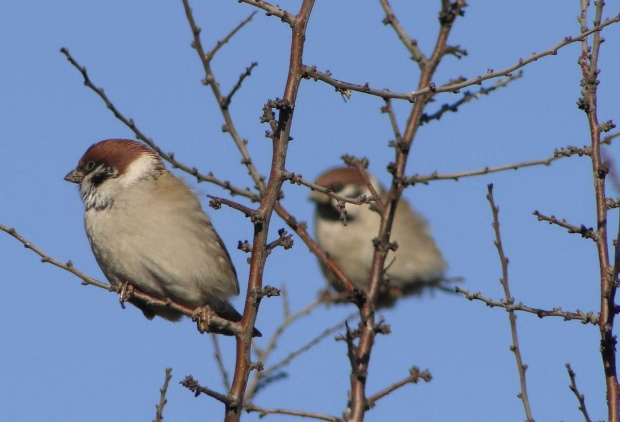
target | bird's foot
x=125, y=291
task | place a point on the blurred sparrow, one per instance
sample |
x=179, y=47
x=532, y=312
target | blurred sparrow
x=147, y=228
x=416, y=263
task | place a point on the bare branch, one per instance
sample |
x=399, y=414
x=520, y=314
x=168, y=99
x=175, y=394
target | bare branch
x=45, y=258
x=409, y=43
x=159, y=409
x=272, y=10
x=220, y=362
x=557, y=154
x=521, y=367
x=346, y=87
x=587, y=318
x=246, y=74
x=414, y=376
x=216, y=203
x=585, y=232
x=209, y=56
x=192, y=385
x=580, y=397
x=264, y=354
x=269, y=199
x=360, y=354
x=588, y=102
x=297, y=179
x=467, y=97
x=302, y=231
x=210, y=80
x=262, y=411
x=288, y=359
x=387, y=108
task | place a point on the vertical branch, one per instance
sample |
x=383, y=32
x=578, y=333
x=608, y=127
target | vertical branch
x=588, y=103
x=159, y=408
x=220, y=362
x=359, y=403
x=521, y=367
x=281, y=136
x=580, y=397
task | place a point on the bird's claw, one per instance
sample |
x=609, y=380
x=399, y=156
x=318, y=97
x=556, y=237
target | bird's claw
x=203, y=318
x=125, y=292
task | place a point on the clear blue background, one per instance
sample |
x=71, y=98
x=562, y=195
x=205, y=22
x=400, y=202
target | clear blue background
x=71, y=353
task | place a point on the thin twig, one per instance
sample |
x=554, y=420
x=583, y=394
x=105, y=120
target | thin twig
x=323, y=335
x=209, y=56
x=580, y=397
x=297, y=179
x=262, y=411
x=584, y=318
x=302, y=231
x=414, y=376
x=159, y=409
x=557, y=154
x=585, y=232
x=248, y=72
x=45, y=258
x=217, y=353
x=263, y=354
x=272, y=10
x=521, y=367
x=194, y=386
x=345, y=88
x=409, y=43
x=388, y=109
x=467, y=97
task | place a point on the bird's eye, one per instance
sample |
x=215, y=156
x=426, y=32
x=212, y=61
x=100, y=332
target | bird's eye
x=337, y=187
x=90, y=165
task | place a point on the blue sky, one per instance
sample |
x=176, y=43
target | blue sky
x=71, y=353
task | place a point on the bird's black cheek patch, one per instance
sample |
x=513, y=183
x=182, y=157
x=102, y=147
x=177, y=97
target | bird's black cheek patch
x=101, y=176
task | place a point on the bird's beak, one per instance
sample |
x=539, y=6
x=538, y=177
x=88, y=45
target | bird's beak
x=74, y=176
x=318, y=197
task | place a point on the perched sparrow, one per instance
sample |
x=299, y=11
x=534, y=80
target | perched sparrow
x=416, y=263
x=147, y=228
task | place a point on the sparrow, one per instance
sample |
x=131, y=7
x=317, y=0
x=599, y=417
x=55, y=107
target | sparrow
x=417, y=262
x=147, y=228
